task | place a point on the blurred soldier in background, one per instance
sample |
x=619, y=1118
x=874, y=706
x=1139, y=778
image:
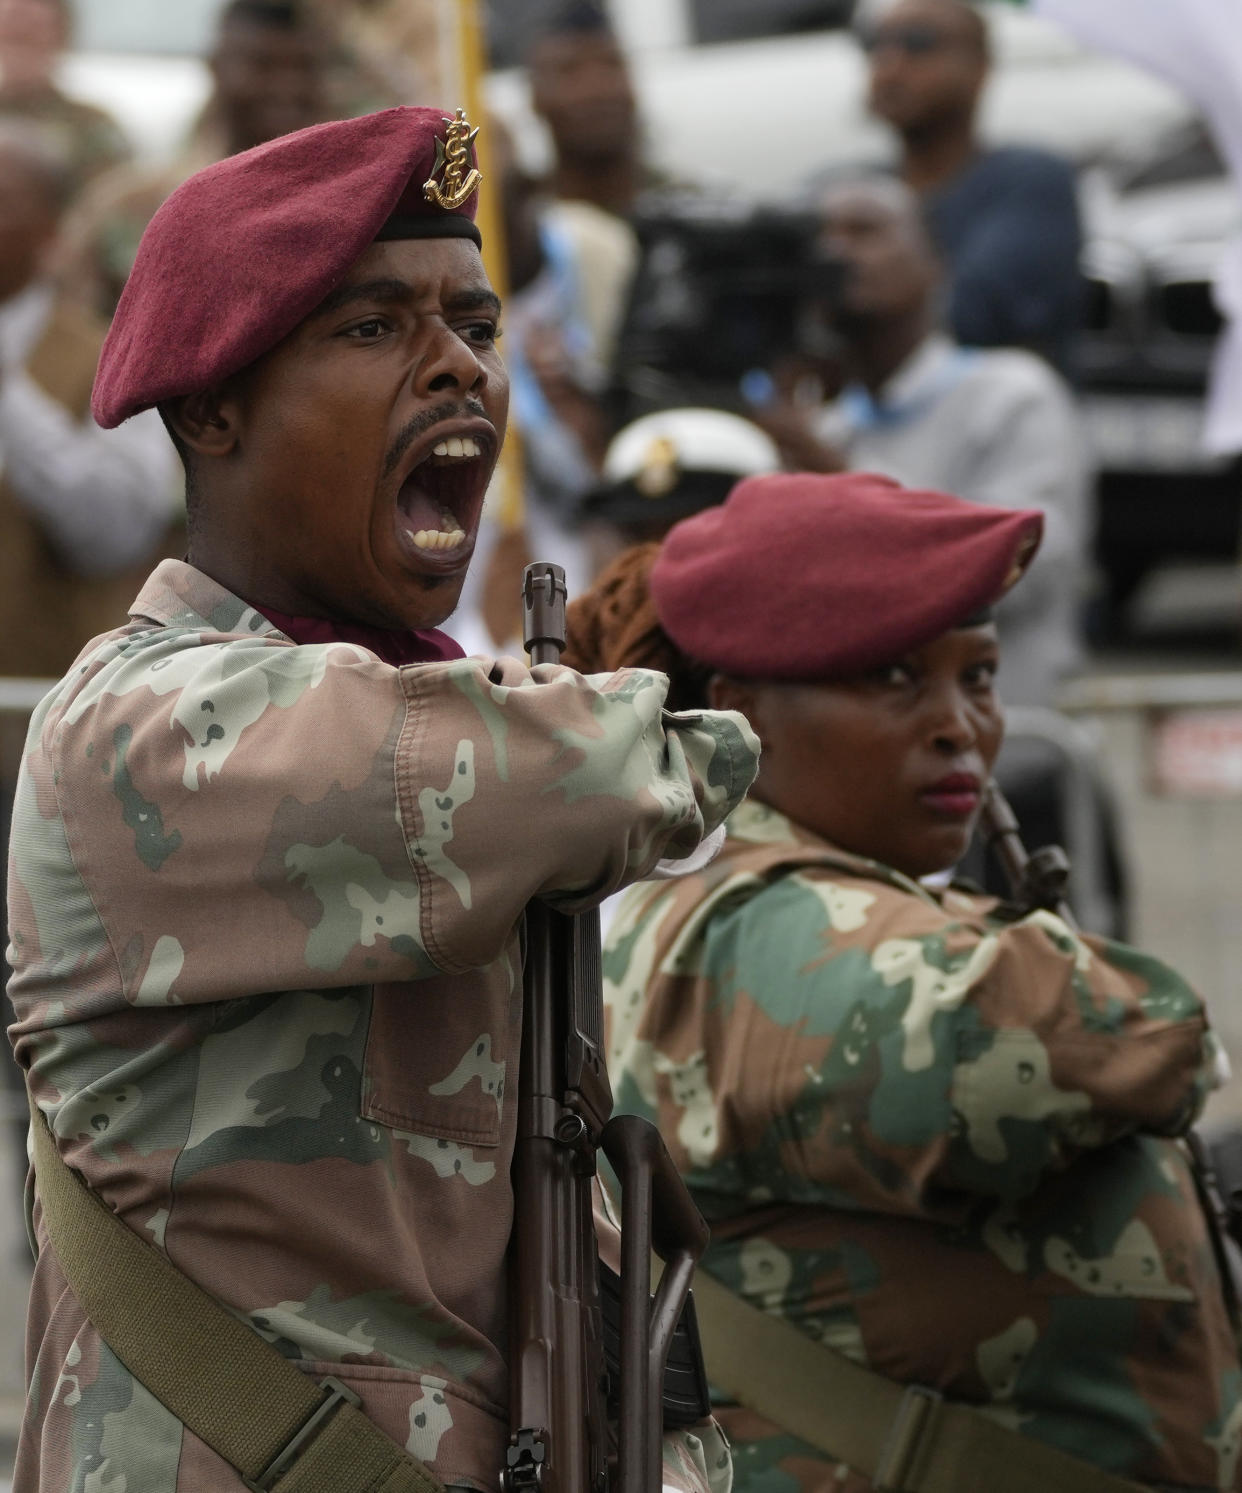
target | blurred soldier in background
x=1006, y=220
x=80, y=507
x=33, y=35
x=84, y=512
x=271, y=66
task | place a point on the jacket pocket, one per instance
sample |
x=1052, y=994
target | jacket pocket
x=438, y=1053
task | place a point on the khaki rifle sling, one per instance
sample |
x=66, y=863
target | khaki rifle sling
x=905, y=1438
x=276, y=1426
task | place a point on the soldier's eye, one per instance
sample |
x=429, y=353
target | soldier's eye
x=368, y=331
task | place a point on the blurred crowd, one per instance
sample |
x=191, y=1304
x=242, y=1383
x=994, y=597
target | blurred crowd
x=928, y=333
x=917, y=319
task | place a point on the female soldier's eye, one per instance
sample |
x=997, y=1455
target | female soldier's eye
x=894, y=675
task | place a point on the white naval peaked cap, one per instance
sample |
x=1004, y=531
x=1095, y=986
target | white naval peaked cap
x=695, y=440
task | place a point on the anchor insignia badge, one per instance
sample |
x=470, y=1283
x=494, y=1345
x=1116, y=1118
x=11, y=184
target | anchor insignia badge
x=452, y=155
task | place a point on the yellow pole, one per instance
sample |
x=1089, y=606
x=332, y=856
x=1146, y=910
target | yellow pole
x=463, y=45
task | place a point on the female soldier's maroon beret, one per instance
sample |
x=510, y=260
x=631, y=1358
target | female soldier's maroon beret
x=243, y=251
x=802, y=576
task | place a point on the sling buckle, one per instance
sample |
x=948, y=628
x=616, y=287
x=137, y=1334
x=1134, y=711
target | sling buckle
x=915, y=1416
x=338, y=1394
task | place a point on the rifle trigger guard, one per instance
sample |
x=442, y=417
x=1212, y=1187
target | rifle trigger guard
x=524, y=1462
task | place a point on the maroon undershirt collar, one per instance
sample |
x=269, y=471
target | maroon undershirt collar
x=427, y=647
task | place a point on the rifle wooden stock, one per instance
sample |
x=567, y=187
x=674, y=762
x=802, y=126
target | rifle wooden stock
x=559, y=1435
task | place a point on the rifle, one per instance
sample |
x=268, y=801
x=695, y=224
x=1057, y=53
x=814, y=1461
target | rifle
x=583, y=1343
x=1039, y=879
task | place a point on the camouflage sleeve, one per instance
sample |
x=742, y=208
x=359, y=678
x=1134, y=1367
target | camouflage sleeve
x=843, y=1042
x=345, y=822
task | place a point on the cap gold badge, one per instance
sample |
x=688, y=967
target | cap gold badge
x=658, y=473
x=452, y=156
x=1021, y=561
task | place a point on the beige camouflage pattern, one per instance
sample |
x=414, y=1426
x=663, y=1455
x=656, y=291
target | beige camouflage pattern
x=264, y=906
x=938, y=1142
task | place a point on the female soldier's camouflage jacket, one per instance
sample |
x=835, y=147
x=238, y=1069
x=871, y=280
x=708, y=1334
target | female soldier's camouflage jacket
x=265, y=903
x=939, y=1142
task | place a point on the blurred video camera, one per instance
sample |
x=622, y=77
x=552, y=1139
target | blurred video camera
x=723, y=291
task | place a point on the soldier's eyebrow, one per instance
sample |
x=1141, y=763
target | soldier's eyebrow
x=482, y=299
x=391, y=292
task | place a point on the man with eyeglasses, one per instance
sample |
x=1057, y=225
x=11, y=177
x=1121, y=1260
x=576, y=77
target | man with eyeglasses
x=1005, y=219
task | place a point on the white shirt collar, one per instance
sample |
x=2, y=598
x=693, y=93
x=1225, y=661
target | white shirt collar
x=920, y=372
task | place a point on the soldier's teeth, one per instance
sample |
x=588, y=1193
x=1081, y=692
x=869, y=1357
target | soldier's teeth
x=439, y=539
x=457, y=446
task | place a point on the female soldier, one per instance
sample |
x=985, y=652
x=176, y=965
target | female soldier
x=938, y=1140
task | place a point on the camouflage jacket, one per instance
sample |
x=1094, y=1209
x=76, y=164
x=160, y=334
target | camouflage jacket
x=265, y=905
x=938, y=1142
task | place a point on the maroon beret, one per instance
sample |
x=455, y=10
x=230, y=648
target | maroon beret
x=802, y=576
x=243, y=251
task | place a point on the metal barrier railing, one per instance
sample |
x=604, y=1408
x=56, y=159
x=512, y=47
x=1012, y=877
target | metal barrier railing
x=20, y=696
x=1144, y=692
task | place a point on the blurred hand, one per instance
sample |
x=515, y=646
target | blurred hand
x=575, y=406
x=791, y=426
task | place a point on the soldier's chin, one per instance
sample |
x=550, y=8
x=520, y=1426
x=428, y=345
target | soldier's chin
x=432, y=599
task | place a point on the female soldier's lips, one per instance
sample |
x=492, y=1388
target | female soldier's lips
x=957, y=795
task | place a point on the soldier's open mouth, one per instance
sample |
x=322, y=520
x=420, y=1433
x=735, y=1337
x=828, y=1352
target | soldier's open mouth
x=441, y=499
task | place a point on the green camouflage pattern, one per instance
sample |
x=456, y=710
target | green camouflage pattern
x=265, y=905
x=87, y=139
x=939, y=1142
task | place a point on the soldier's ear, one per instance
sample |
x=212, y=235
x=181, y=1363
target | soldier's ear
x=726, y=693
x=206, y=422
